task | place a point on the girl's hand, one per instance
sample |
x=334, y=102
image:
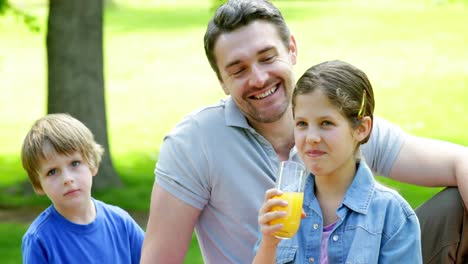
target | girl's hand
x=265, y=215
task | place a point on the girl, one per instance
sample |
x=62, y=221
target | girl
x=349, y=217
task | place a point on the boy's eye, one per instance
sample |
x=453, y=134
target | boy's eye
x=51, y=172
x=75, y=163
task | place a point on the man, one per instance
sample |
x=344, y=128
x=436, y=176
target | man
x=216, y=164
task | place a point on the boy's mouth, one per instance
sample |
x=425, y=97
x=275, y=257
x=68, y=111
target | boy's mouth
x=71, y=192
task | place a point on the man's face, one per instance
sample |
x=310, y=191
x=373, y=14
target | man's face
x=256, y=70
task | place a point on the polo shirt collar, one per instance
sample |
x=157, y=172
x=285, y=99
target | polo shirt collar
x=234, y=116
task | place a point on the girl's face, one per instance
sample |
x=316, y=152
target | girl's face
x=323, y=136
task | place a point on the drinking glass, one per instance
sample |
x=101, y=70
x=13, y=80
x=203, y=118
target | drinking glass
x=291, y=181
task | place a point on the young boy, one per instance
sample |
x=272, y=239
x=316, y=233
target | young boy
x=61, y=157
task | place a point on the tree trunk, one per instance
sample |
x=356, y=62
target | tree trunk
x=75, y=72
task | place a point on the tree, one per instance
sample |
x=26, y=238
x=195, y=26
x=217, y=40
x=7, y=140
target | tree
x=3, y=6
x=75, y=72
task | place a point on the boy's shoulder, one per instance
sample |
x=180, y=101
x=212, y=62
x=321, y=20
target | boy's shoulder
x=111, y=212
x=42, y=223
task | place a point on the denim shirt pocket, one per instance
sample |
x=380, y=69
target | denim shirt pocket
x=286, y=254
x=364, y=244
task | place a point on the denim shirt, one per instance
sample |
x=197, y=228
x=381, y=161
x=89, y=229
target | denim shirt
x=375, y=225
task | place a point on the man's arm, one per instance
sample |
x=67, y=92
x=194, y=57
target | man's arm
x=430, y=162
x=169, y=230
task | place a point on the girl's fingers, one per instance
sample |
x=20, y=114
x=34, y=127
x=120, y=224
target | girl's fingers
x=270, y=193
x=270, y=229
x=264, y=219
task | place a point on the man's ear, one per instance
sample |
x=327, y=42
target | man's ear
x=364, y=128
x=225, y=89
x=293, y=50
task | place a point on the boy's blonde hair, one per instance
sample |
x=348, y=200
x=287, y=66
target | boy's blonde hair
x=65, y=135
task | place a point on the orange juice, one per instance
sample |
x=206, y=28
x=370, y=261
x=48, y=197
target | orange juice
x=293, y=218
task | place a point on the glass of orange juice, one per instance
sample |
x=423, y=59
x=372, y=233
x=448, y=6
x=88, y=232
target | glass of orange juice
x=291, y=181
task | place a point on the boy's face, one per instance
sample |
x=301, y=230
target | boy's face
x=257, y=70
x=66, y=180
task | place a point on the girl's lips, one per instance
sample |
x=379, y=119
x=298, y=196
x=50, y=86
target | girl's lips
x=315, y=153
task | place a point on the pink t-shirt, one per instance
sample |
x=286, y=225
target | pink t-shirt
x=324, y=244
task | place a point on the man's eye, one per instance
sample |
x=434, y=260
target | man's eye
x=268, y=59
x=237, y=72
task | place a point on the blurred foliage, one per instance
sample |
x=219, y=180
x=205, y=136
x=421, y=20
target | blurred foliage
x=31, y=21
x=3, y=6
x=214, y=3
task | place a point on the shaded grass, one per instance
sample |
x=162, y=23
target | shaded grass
x=10, y=242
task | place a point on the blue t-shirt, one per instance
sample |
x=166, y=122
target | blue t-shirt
x=113, y=237
x=375, y=225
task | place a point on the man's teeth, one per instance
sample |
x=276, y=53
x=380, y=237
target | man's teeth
x=265, y=94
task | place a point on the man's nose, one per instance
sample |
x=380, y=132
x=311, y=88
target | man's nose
x=258, y=76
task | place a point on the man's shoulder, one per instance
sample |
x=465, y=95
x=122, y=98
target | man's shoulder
x=209, y=113
x=202, y=121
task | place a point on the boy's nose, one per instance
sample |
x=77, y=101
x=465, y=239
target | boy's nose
x=67, y=177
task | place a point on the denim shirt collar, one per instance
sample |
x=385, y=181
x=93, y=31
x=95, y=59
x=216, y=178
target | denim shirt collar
x=358, y=195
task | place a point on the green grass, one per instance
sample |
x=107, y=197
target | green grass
x=10, y=242
x=414, y=53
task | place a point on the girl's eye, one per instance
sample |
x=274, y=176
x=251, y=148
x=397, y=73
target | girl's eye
x=301, y=124
x=327, y=123
x=75, y=163
x=51, y=172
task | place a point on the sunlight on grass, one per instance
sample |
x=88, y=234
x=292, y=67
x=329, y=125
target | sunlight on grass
x=414, y=53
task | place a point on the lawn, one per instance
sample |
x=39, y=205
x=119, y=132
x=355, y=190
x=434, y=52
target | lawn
x=414, y=53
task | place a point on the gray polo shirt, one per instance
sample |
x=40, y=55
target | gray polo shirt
x=215, y=161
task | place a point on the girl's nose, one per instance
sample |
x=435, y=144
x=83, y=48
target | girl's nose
x=312, y=136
